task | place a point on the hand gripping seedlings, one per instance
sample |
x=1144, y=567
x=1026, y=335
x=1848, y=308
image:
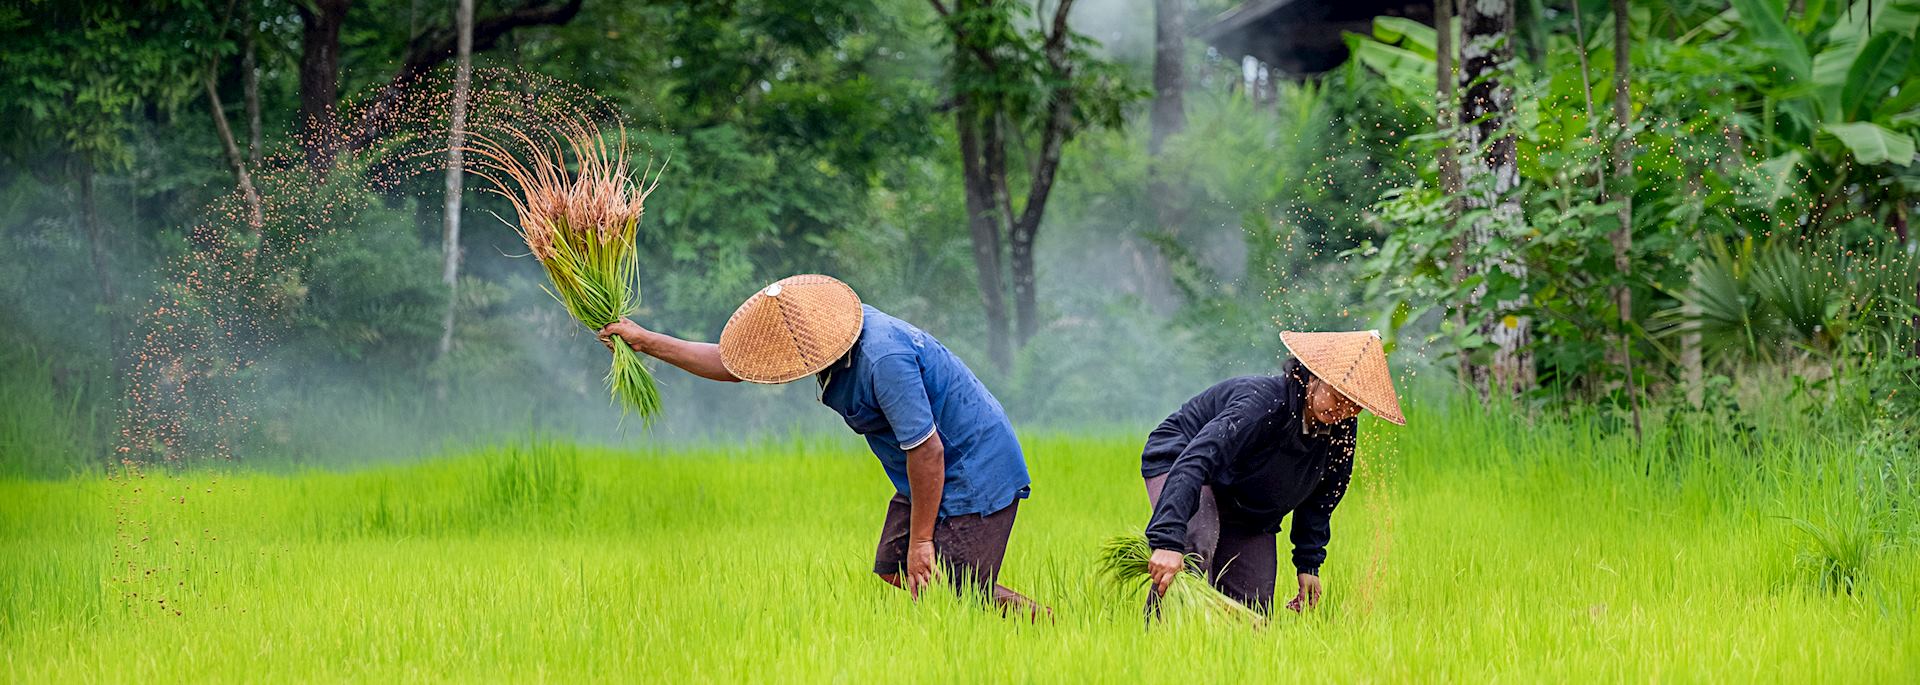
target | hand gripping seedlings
x=579, y=210
x=1123, y=559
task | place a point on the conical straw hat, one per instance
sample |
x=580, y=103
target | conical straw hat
x=791, y=329
x=1354, y=363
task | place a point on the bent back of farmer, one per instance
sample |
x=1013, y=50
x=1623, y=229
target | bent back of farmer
x=1231, y=464
x=902, y=389
x=944, y=441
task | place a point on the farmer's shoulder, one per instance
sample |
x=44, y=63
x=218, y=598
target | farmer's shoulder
x=882, y=334
x=1267, y=392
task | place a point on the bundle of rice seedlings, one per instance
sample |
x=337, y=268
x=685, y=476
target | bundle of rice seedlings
x=1123, y=559
x=579, y=211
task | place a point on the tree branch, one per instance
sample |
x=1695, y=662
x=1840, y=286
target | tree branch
x=1059, y=119
x=1058, y=39
x=439, y=44
x=960, y=37
x=250, y=83
x=256, y=216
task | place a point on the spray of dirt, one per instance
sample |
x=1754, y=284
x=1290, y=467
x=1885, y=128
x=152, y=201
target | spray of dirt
x=1375, y=471
x=194, y=374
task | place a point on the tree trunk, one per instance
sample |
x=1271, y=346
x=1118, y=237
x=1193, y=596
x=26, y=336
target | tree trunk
x=96, y=240
x=1447, y=125
x=1622, y=237
x=256, y=217
x=1615, y=352
x=1024, y=231
x=1901, y=227
x=320, y=79
x=1692, y=367
x=1169, y=117
x=1026, y=317
x=1169, y=72
x=456, y=142
x=1489, y=179
x=989, y=203
x=993, y=157
x=1580, y=49
x=250, y=85
x=1027, y=228
x=984, y=229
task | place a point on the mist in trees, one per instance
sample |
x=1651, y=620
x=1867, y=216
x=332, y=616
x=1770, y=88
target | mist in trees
x=1597, y=203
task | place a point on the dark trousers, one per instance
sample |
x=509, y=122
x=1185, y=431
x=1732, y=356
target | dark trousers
x=1243, y=563
x=969, y=548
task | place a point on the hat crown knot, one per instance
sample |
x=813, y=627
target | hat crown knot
x=790, y=329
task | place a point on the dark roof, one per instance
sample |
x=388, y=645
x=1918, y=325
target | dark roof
x=1302, y=37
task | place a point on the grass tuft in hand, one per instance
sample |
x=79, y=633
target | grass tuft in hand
x=1123, y=560
x=579, y=211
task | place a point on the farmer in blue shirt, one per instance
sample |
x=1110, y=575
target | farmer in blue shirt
x=957, y=470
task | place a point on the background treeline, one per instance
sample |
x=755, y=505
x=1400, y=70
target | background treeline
x=1643, y=212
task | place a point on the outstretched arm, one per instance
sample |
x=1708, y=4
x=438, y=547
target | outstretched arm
x=697, y=358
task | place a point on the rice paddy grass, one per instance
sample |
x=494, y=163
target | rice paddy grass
x=1471, y=549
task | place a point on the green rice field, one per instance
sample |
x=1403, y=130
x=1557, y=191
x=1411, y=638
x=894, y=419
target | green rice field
x=1472, y=548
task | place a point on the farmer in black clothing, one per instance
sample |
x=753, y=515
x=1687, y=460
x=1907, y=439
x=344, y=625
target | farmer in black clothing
x=1224, y=470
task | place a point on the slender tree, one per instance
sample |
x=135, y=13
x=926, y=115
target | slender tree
x=983, y=228
x=236, y=158
x=1580, y=50
x=1489, y=178
x=1448, y=125
x=96, y=233
x=1622, y=194
x=250, y=88
x=456, y=142
x=1902, y=228
x=1169, y=72
x=1054, y=132
x=1169, y=117
x=1004, y=76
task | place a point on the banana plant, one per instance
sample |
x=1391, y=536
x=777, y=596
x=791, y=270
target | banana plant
x=1842, y=106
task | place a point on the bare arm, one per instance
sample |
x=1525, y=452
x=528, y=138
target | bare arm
x=926, y=481
x=697, y=358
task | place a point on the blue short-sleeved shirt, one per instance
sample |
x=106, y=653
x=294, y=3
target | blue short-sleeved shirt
x=898, y=386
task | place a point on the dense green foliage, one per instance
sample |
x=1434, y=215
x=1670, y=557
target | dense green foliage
x=1474, y=546
x=1770, y=194
x=1771, y=154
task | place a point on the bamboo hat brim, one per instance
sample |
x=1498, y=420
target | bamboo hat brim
x=791, y=329
x=1354, y=363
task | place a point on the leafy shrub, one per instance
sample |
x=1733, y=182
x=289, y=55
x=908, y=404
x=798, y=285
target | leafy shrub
x=1834, y=555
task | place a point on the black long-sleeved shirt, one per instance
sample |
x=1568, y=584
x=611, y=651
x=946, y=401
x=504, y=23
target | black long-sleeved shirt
x=1244, y=436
